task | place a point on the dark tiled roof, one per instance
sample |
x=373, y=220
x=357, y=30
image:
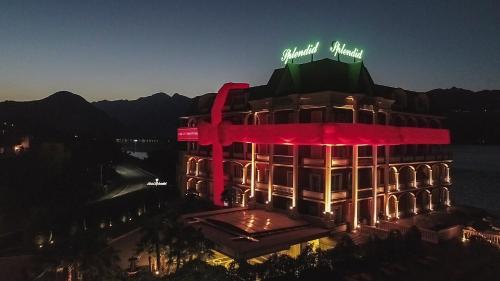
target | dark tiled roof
x=321, y=75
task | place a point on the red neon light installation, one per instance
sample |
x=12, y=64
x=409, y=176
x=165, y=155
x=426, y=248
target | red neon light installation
x=216, y=118
x=219, y=133
x=187, y=134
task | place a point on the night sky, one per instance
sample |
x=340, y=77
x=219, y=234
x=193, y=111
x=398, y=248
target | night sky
x=127, y=49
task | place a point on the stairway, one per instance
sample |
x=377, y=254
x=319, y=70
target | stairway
x=358, y=238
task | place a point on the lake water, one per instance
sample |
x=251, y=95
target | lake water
x=475, y=175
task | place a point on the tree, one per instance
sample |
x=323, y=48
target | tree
x=345, y=251
x=277, y=266
x=413, y=240
x=394, y=244
x=196, y=270
x=185, y=243
x=151, y=239
x=229, y=196
x=242, y=270
x=83, y=255
x=307, y=260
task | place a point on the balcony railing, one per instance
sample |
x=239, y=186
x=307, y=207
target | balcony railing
x=283, y=159
x=262, y=157
x=313, y=194
x=283, y=190
x=365, y=161
x=313, y=162
x=238, y=155
x=341, y=161
x=337, y=195
x=261, y=186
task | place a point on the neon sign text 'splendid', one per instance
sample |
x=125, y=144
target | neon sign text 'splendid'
x=289, y=54
x=340, y=48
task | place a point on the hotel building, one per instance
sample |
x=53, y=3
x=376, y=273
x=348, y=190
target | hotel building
x=328, y=186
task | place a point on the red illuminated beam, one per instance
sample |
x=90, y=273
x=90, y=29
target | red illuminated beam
x=314, y=134
x=216, y=118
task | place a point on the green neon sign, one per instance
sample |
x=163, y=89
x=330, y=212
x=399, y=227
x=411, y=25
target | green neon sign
x=340, y=49
x=289, y=54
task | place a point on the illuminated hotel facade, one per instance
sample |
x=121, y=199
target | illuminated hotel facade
x=380, y=156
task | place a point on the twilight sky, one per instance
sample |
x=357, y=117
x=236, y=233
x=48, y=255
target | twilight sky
x=125, y=49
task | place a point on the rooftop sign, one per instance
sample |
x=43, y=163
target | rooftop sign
x=339, y=48
x=289, y=54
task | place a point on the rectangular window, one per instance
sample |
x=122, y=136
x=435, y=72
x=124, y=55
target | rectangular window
x=337, y=182
x=315, y=182
x=380, y=177
x=289, y=178
x=238, y=171
x=316, y=116
x=338, y=214
x=341, y=152
x=316, y=151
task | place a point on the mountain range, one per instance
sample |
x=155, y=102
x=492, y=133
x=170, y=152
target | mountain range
x=60, y=114
x=473, y=117
x=153, y=116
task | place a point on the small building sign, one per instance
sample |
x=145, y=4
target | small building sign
x=157, y=182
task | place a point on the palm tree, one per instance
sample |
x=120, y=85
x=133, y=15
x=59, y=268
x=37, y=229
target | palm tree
x=151, y=239
x=185, y=243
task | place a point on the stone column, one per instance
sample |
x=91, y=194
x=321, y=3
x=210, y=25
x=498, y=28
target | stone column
x=271, y=168
x=295, y=179
x=252, y=174
x=431, y=181
x=374, y=215
x=354, y=187
x=328, y=180
x=396, y=174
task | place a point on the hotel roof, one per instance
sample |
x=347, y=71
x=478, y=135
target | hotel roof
x=247, y=233
x=315, y=76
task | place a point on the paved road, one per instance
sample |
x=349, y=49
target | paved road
x=133, y=179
